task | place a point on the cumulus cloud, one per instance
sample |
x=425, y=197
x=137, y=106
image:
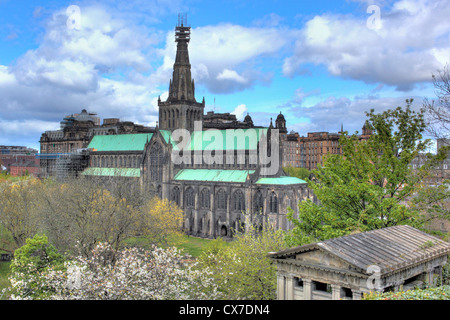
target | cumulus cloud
x=99, y=66
x=332, y=112
x=222, y=56
x=240, y=111
x=412, y=43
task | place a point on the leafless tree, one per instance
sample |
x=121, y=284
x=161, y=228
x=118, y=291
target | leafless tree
x=438, y=110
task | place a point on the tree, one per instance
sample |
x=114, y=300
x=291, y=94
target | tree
x=438, y=111
x=31, y=262
x=365, y=188
x=84, y=212
x=81, y=212
x=161, y=222
x=432, y=202
x=242, y=269
x=18, y=203
x=127, y=274
x=301, y=173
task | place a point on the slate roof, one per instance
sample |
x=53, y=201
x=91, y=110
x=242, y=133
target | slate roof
x=120, y=142
x=213, y=175
x=389, y=248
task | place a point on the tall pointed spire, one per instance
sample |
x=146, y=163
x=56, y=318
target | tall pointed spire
x=182, y=86
x=181, y=110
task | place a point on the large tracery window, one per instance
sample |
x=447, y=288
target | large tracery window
x=273, y=203
x=222, y=199
x=239, y=201
x=175, y=195
x=189, y=198
x=205, y=199
x=259, y=202
x=156, y=162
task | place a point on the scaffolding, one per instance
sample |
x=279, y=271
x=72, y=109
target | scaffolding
x=69, y=165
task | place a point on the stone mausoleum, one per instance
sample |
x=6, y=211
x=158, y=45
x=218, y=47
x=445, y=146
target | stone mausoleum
x=391, y=259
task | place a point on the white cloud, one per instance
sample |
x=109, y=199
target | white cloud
x=411, y=45
x=223, y=56
x=332, y=112
x=240, y=111
x=232, y=75
x=98, y=67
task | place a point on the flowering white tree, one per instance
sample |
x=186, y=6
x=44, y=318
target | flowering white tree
x=128, y=274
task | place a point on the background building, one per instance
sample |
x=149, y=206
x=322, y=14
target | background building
x=16, y=155
x=61, y=147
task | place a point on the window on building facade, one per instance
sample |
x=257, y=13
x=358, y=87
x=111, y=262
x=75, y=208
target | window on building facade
x=205, y=199
x=259, y=202
x=156, y=162
x=239, y=200
x=221, y=199
x=273, y=203
x=175, y=195
x=189, y=198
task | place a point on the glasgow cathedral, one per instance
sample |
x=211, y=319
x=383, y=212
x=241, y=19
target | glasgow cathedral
x=223, y=173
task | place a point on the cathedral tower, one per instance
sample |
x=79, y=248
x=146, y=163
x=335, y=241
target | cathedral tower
x=180, y=110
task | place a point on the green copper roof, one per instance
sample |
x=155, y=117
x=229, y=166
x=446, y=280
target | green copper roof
x=112, y=172
x=213, y=139
x=120, y=142
x=213, y=175
x=285, y=180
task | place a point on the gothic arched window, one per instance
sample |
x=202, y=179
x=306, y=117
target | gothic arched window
x=273, y=203
x=156, y=162
x=259, y=202
x=175, y=195
x=222, y=199
x=239, y=201
x=189, y=198
x=205, y=199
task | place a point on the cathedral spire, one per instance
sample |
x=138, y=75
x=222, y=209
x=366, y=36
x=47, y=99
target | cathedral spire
x=182, y=86
x=181, y=110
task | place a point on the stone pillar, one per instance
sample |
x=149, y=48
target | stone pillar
x=429, y=277
x=335, y=292
x=307, y=289
x=290, y=288
x=280, y=287
x=440, y=274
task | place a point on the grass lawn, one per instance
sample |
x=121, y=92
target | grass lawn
x=193, y=245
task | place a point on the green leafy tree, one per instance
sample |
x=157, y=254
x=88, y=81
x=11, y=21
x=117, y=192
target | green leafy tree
x=242, y=269
x=301, y=173
x=367, y=187
x=29, y=266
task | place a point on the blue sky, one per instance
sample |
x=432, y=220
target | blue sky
x=320, y=63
